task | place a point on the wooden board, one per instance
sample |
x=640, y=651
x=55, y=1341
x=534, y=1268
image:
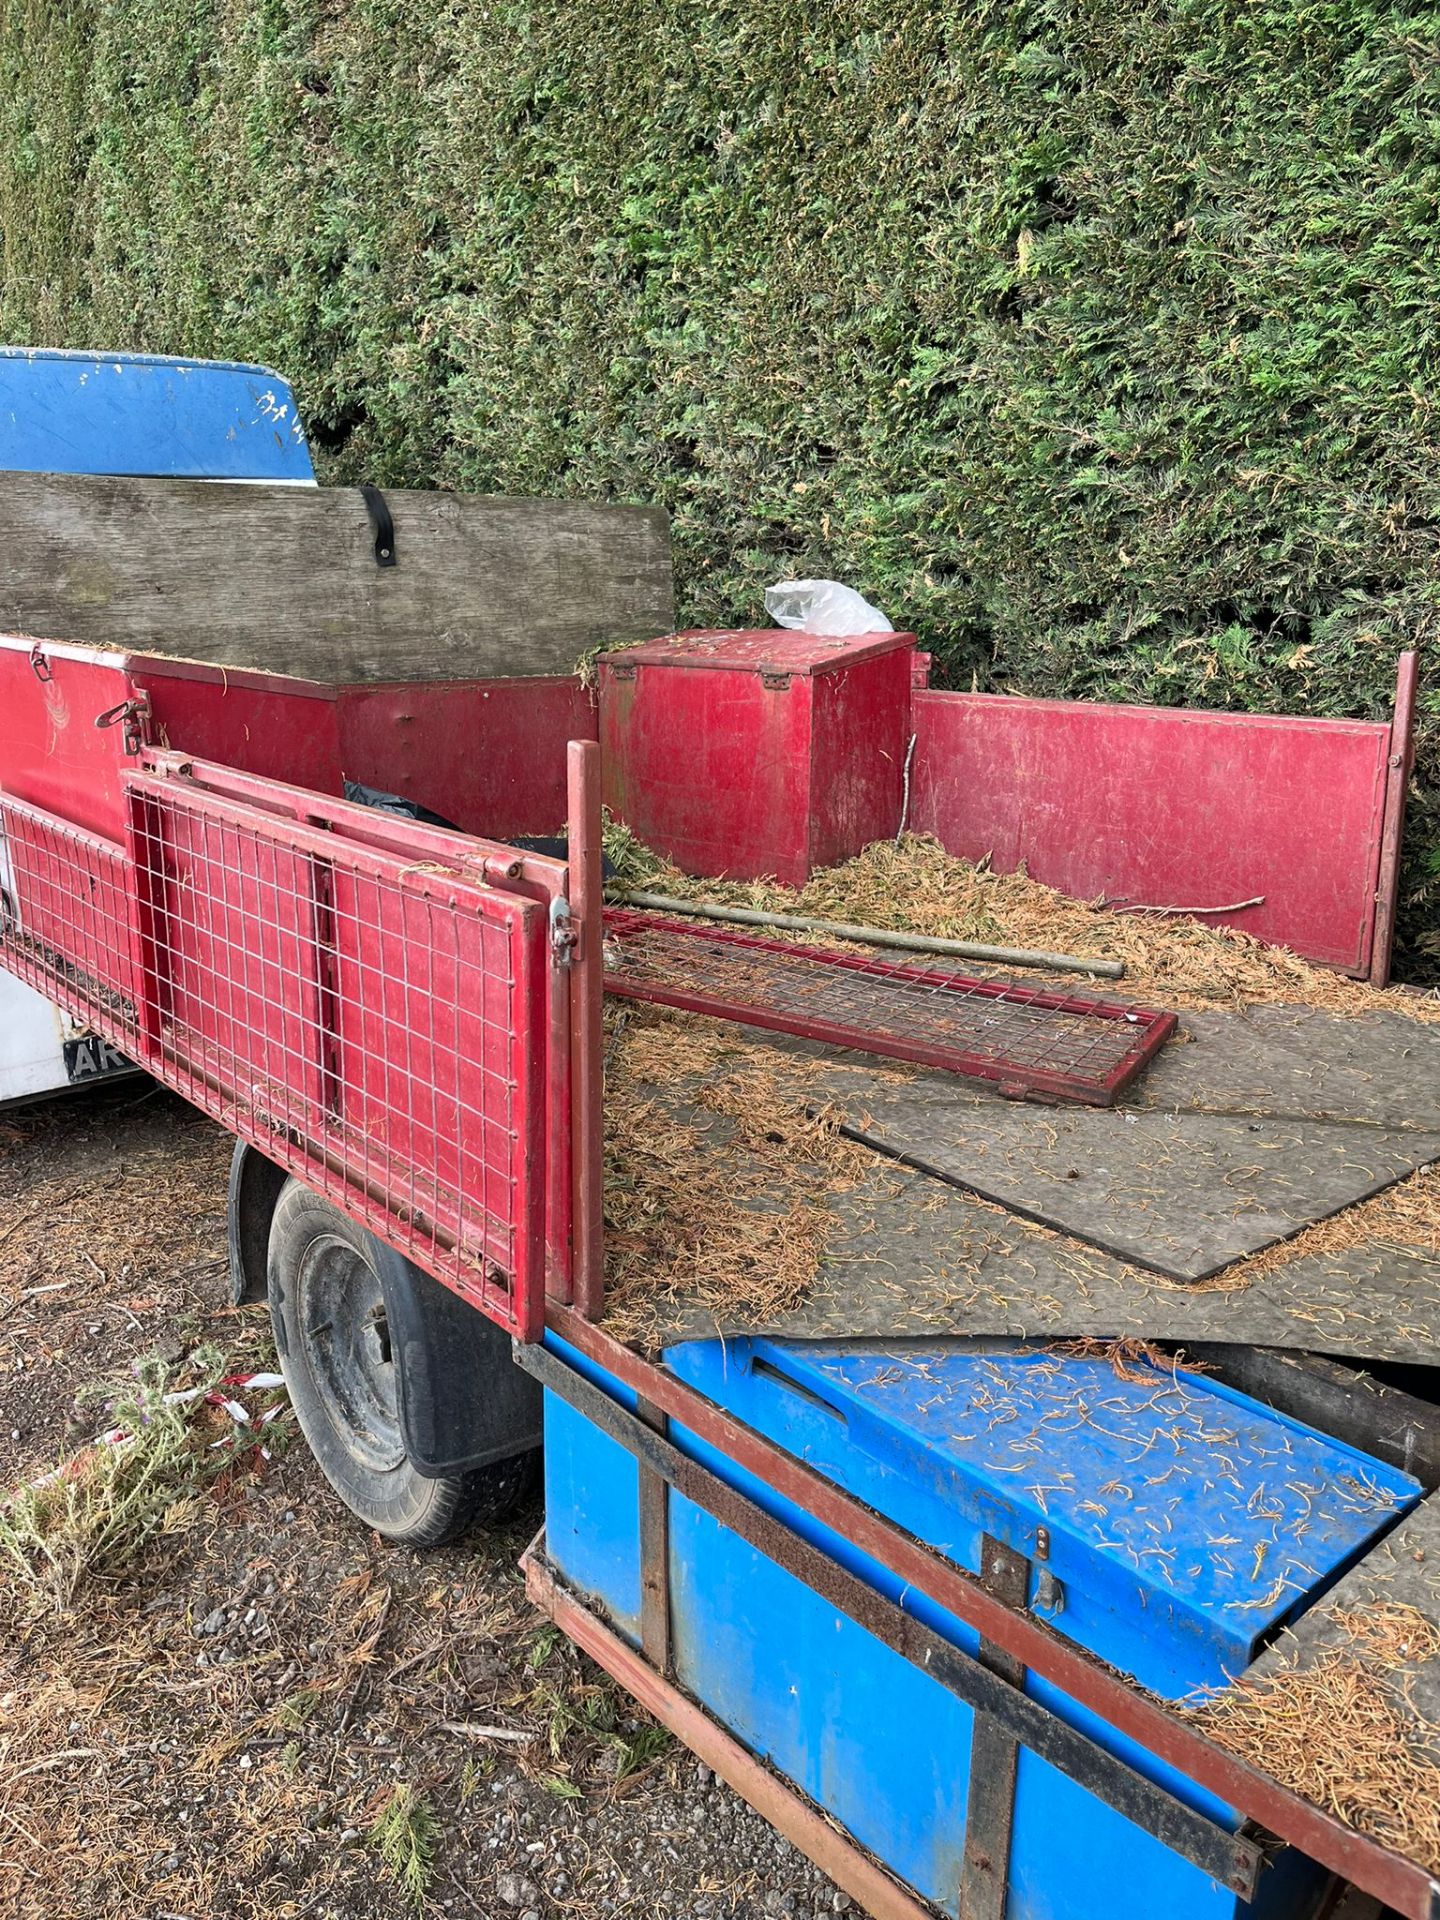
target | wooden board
x=285, y=578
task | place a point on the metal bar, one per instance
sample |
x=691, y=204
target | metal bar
x=994, y=1753
x=1402, y=1884
x=654, y=1551
x=587, y=1032
x=1224, y=1856
x=879, y=936
x=832, y=1851
x=146, y=915
x=1397, y=779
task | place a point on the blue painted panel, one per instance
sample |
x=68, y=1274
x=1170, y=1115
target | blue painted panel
x=141, y=414
x=886, y=1750
x=592, y=1501
x=1186, y=1523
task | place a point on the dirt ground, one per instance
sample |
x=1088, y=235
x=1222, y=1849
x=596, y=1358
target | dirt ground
x=215, y=1734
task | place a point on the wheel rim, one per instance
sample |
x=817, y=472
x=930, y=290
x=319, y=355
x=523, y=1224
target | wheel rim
x=347, y=1348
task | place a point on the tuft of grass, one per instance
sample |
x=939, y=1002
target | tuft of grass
x=406, y=1833
x=98, y=1510
x=640, y=1749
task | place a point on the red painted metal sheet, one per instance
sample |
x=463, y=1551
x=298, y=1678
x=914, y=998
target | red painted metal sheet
x=1157, y=807
x=487, y=754
x=51, y=751
x=1028, y=1040
x=279, y=728
x=374, y=1022
x=730, y=761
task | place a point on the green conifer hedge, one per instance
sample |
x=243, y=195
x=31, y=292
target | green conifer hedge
x=1098, y=342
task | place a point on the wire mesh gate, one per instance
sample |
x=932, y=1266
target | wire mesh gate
x=375, y=1025
x=1028, y=1040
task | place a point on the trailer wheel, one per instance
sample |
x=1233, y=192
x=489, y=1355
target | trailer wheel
x=327, y=1306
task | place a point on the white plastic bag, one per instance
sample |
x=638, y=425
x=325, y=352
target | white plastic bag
x=823, y=606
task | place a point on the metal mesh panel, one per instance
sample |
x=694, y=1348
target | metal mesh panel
x=375, y=1026
x=1029, y=1040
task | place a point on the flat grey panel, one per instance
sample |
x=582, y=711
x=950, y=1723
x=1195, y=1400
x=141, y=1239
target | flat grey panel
x=284, y=578
x=911, y=1256
x=1379, y=1069
x=1184, y=1193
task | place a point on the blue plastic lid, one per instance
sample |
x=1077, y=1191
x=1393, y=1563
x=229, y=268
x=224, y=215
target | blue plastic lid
x=1184, y=1521
x=141, y=414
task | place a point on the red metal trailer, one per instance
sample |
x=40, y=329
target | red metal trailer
x=402, y=1025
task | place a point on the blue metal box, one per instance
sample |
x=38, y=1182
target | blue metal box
x=1181, y=1523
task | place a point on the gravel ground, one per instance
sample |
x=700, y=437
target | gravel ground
x=217, y=1731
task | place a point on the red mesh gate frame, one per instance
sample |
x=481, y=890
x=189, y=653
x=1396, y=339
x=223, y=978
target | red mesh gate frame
x=374, y=1024
x=1028, y=1040
x=511, y=870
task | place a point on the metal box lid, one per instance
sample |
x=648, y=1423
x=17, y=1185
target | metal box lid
x=1182, y=1522
x=758, y=650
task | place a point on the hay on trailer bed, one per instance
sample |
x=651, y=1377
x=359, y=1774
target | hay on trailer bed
x=719, y=1195
x=1339, y=1731
x=916, y=887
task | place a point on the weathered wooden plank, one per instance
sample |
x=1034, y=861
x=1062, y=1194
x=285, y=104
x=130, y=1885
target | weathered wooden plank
x=285, y=578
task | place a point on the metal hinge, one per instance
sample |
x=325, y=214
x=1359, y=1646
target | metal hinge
x=130, y=714
x=564, y=934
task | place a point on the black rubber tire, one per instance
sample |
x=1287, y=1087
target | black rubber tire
x=342, y=1387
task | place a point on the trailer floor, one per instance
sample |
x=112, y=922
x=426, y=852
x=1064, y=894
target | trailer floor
x=1191, y=1211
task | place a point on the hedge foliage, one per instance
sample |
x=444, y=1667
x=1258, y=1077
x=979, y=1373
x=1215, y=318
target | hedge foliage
x=1098, y=342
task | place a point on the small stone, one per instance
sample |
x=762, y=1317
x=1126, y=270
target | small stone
x=839, y=1902
x=515, y=1890
x=213, y=1622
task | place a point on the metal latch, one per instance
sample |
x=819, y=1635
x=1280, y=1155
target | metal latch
x=131, y=715
x=564, y=934
x=776, y=682
x=39, y=665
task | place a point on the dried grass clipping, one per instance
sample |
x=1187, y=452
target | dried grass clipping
x=1341, y=1732
x=717, y=1196
x=916, y=887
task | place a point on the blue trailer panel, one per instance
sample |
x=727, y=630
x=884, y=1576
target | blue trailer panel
x=145, y=415
x=1180, y=1523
